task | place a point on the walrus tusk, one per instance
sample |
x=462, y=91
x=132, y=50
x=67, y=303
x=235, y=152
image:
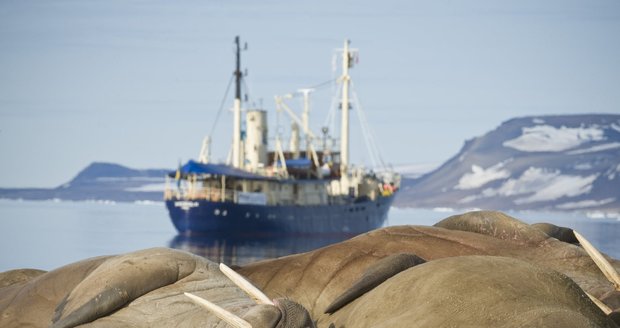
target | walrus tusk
x=606, y=309
x=602, y=263
x=256, y=294
x=229, y=317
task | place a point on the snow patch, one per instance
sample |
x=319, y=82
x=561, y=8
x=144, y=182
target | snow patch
x=129, y=179
x=560, y=186
x=583, y=166
x=415, y=170
x=537, y=120
x=148, y=202
x=541, y=185
x=101, y=201
x=532, y=180
x=615, y=126
x=443, y=209
x=479, y=176
x=603, y=215
x=159, y=187
x=469, y=199
x=611, y=174
x=546, y=138
x=594, y=149
x=584, y=204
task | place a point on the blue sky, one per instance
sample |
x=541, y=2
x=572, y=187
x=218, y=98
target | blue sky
x=140, y=82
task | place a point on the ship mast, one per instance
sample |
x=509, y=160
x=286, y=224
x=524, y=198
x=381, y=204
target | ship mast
x=305, y=117
x=236, y=151
x=344, y=128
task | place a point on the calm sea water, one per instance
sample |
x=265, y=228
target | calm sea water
x=47, y=234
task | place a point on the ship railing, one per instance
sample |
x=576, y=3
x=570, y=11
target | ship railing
x=210, y=194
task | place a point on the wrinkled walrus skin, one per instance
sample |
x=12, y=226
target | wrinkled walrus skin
x=375, y=275
x=149, y=283
x=475, y=291
x=315, y=279
x=483, y=269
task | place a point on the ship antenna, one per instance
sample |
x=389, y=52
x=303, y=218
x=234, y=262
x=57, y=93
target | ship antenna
x=238, y=75
x=344, y=129
x=236, y=151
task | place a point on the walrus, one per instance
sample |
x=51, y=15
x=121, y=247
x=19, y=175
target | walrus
x=374, y=276
x=495, y=224
x=144, y=288
x=560, y=233
x=472, y=291
x=12, y=277
x=310, y=281
x=119, y=280
x=315, y=279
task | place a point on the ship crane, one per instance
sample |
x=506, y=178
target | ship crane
x=304, y=122
x=346, y=96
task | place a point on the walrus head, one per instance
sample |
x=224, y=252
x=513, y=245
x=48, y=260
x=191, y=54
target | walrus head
x=283, y=314
x=277, y=313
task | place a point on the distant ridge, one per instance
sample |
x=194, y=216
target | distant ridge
x=564, y=162
x=100, y=169
x=100, y=181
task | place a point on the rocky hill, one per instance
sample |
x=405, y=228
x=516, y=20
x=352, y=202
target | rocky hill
x=567, y=162
x=101, y=181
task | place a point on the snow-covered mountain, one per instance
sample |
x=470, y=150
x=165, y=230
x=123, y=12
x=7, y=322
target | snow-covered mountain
x=567, y=162
x=539, y=163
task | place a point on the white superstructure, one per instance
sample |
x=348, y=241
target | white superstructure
x=308, y=174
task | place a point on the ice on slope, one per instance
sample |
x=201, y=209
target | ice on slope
x=479, y=176
x=546, y=138
x=584, y=204
x=537, y=185
x=594, y=149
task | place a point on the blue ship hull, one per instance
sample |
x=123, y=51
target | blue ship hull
x=203, y=216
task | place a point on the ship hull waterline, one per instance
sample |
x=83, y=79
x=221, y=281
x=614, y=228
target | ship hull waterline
x=222, y=218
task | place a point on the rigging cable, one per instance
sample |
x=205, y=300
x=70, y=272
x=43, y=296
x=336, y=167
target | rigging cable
x=330, y=120
x=322, y=84
x=219, y=111
x=371, y=144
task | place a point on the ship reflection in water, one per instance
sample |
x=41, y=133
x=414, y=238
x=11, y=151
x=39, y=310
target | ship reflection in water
x=241, y=250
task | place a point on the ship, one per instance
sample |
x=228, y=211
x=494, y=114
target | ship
x=305, y=189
